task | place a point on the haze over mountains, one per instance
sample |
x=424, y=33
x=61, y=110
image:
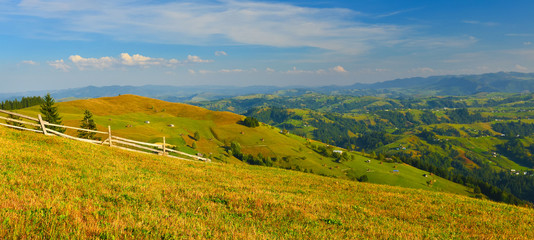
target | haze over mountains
x=510, y=82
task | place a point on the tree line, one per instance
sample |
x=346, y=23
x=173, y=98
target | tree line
x=24, y=102
x=514, y=129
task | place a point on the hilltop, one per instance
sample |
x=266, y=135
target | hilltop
x=127, y=114
x=57, y=188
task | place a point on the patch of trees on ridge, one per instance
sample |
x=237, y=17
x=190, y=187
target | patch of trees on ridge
x=23, y=103
x=514, y=129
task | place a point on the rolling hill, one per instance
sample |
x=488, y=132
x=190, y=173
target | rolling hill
x=127, y=114
x=476, y=140
x=58, y=188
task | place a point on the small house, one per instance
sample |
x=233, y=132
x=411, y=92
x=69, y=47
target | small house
x=171, y=125
x=338, y=151
x=147, y=122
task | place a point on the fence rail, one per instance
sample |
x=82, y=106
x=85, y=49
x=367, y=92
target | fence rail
x=112, y=141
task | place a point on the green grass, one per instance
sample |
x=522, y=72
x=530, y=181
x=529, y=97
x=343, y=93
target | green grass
x=217, y=129
x=407, y=176
x=57, y=188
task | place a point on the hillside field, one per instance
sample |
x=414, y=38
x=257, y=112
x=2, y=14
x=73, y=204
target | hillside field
x=218, y=129
x=57, y=188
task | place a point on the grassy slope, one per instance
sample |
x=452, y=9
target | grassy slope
x=71, y=189
x=134, y=110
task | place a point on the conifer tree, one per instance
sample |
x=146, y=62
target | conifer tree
x=87, y=123
x=50, y=113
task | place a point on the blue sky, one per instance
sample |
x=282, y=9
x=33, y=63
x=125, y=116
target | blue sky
x=59, y=44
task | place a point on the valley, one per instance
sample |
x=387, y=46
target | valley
x=472, y=140
x=264, y=145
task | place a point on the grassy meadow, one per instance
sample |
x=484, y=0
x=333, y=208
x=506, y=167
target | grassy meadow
x=56, y=188
x=218, y=129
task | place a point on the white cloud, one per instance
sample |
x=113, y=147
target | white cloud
x=59, y=65
x=221, y=53
x=139, y=60
x=191, y=71
x=269, y=70
x=197, y=59
x=338, y=69
x=124, y=60
x=521, y=68
x=30, y=62
x=208, y=22
x=99, y=63
x=527, y=43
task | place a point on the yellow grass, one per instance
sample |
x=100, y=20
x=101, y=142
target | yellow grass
x=217, y=129
x=56, y=188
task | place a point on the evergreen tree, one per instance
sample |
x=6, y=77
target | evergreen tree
x=50, y=113
x=251, y=122
x=87, y=123
x=197, y=136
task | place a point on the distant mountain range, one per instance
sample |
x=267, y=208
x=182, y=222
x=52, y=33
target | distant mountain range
x=167, y=93
x=509, y=82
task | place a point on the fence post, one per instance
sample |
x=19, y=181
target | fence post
x=42, y=124
x=164, y=145
x=109, y=135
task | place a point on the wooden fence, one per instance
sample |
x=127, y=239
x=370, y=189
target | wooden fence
x=112, y=141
